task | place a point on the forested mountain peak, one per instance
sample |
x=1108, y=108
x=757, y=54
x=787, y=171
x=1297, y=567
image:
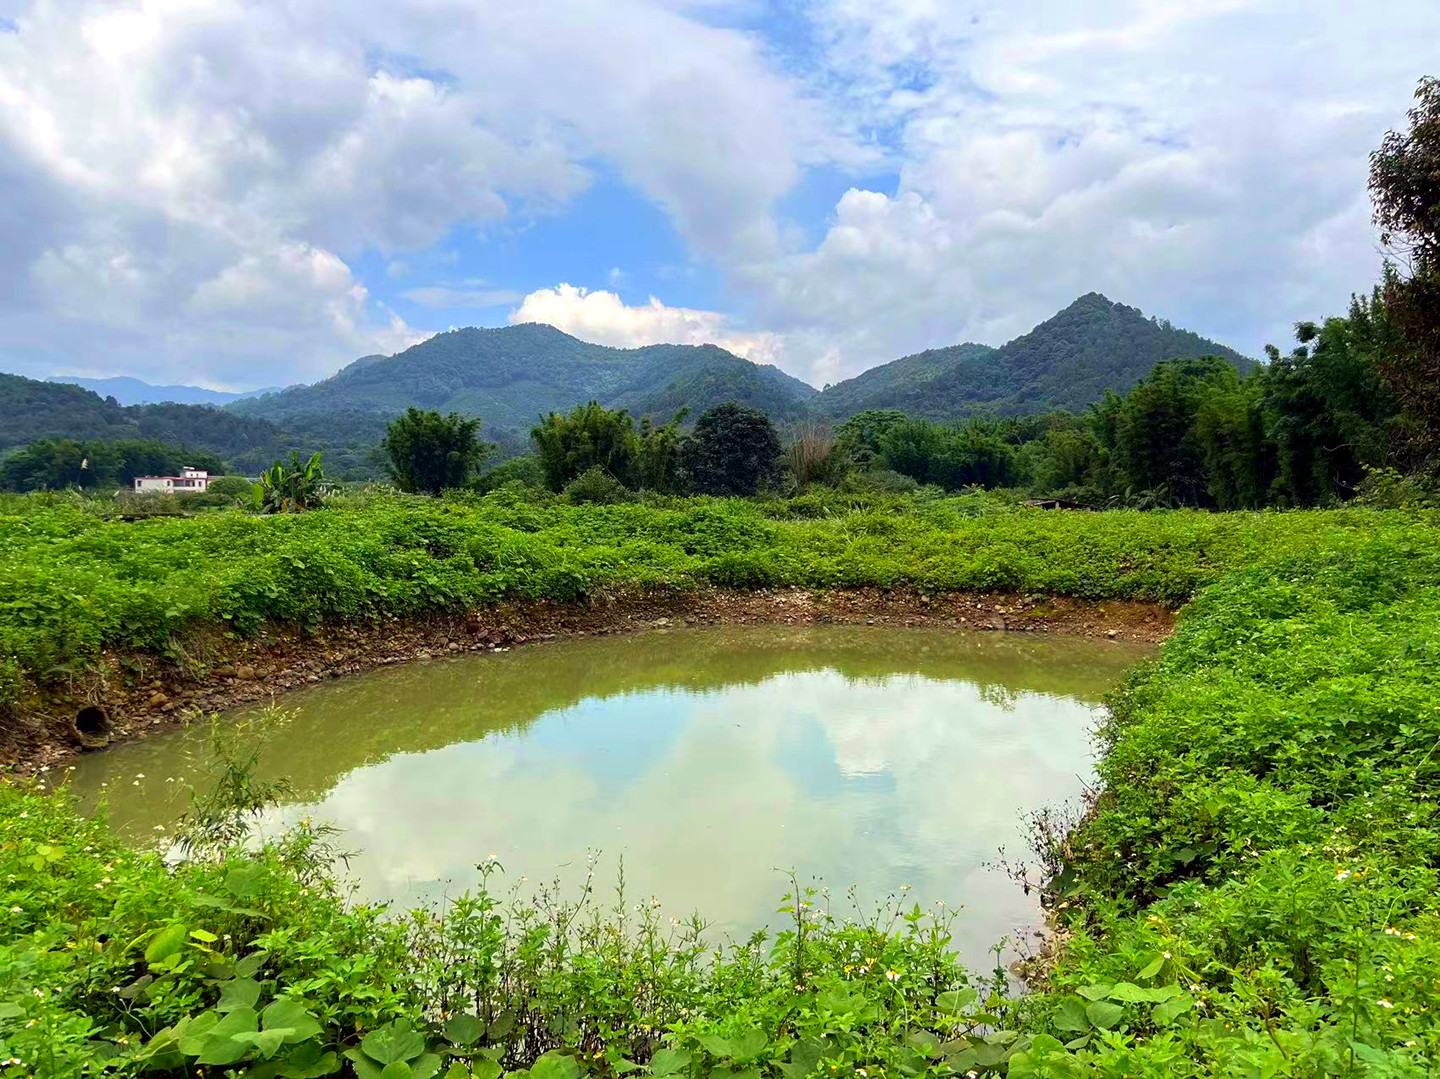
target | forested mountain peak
x=509, y=376
x=1067, y=361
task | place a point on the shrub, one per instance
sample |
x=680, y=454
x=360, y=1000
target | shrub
x=231, y=487
x=597, y=486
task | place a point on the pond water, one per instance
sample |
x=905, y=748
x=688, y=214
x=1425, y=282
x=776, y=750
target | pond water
x=899, y=761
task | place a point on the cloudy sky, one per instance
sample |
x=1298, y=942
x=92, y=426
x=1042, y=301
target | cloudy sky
x=244, y=192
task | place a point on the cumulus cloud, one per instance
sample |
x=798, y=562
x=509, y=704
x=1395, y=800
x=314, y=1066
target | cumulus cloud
x=195, y=188
x=604, y=318
x=182, y=171
x=1205, y=161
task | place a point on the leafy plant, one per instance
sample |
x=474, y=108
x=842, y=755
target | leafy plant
x=295, y=489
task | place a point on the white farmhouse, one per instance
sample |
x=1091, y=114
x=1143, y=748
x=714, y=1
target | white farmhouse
x=190, y=481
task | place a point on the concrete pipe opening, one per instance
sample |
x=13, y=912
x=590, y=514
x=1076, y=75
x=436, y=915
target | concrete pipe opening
x=92, y=726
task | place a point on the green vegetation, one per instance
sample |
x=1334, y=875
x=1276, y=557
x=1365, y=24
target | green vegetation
x=507, y=375
x=295, y=489
x=55, y=464
x=734, y=450
x=593, y=438
x=1254, y=893
x=429, y=452
x=1068, y=361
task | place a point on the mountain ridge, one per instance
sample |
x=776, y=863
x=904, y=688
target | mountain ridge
x=1068, y=361
x=128, y=390
x=512, y=375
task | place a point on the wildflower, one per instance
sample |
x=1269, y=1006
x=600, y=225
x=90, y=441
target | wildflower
x=1165, y=954
x=1384, y=1003
x=1342, y=874
x=17, y=910
x=892, y=975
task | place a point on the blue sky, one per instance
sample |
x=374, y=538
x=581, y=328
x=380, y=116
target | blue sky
x=242, y=194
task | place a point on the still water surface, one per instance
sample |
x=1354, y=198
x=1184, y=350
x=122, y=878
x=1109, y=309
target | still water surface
x=709, y=759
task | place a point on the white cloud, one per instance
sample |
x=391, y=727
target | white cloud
x=1204, y=161
x=164, y=161
x=605, y=319
x=193, y=187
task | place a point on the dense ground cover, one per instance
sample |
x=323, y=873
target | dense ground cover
x=1255, y=892
x=73, y=583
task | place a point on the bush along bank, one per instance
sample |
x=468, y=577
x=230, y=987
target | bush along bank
x=1254, y=892
x=74, y=585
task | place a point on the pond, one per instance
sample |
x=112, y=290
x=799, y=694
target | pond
x=899, y=761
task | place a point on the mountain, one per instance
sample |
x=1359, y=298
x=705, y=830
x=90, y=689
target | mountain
x=904, y=383
x=30, y=409
x=1068, y=361
x=132, y=391
x=512, y=375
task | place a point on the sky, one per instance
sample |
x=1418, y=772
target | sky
x=243, y=193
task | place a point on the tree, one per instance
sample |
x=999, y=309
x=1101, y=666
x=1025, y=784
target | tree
x=591, y=436
x=428, y=453
x=1405, y=191
x=734, y=450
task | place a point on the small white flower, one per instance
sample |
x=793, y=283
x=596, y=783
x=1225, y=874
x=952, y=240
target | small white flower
x=1384, y=1003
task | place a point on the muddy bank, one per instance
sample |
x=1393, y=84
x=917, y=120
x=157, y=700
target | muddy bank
x=135, y=693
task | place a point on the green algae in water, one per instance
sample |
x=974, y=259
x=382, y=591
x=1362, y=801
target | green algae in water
x=899, y=761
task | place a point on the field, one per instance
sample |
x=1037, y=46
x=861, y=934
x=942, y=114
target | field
x=1254, y=892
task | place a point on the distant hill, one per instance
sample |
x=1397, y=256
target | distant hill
x=905, y=383
x=30, y=409
x=511, y=375
x=132, y=391
x=1068, y=361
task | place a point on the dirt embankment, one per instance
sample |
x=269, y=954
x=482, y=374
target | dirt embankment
x=132, y=694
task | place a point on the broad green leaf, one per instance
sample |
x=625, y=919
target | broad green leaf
x=924, y=1042
x=392, y=1042
x=717, y=1045
x=1104, y=1014
x=396, y=1069
x=555, y=1065
x=503, y=1024
x=1128, y=993
x=425, y=1067
x=192, y=1032
x=268, y=1042
x=457, y=1071
x=749, y=1045
x=364, y=1067
x=245, y=882
x=204, y=936
x=307, y=1061
x=1094, y=992
x=1071, y=1016
x=623, y=1066
x=291, y=1016
x=238, y=993
x=484, y=1068
x=248, y=966
x=166, y=943
x=1168, y=1011
x=464, y=1030
x=957, y=1000
x=668, y=1061
x=1153, y=968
